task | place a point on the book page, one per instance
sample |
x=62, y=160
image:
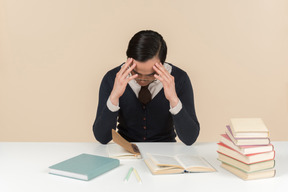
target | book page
x=188, y=161
x=116, y=151
x=155, y=167
x=162, y=160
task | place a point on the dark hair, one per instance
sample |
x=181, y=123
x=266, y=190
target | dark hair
x=146, y=44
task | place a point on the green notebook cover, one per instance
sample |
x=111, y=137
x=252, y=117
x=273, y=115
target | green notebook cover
x=84, y=166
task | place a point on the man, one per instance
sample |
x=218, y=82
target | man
x=149, y=98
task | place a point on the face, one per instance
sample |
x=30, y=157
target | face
x=145, y=71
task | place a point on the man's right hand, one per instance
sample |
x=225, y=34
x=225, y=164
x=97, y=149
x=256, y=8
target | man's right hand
x=121, y=81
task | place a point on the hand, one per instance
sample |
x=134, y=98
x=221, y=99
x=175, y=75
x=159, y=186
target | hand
x=168, y=84
x=121, y=81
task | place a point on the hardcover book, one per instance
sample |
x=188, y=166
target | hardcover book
x=248, y=127
x=246, y=141
x=245, y=149
x=160, y=164
x=247, y=159
x=84, y=167
x=246, y=167
x=268, y=173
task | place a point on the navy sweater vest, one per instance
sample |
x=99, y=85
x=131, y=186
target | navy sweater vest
x=147, y=123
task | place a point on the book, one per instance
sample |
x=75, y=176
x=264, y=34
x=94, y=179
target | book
x=246, y=167
x=245, y=149
x=84, y=166
x=246, y=141
x=268, y=173
x=127, y=146
x=247, y=159
x=248, y=127
x=116, y=151
x=160, y=164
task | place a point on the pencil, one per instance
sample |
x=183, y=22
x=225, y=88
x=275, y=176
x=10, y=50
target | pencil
x=128, y=174
x=137, y=175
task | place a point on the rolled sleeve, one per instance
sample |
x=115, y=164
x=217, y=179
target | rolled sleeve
x=112, y=107
x=176, y=109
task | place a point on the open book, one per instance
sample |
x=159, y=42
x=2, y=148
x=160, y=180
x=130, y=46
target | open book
x=160, y=164
x=116, y=151
x=122, y=149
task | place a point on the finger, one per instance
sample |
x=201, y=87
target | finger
x=126, y=65
x=160, y=79
x=131, y=77
x=165, y=74
x=162, y=69
x=162, y=74
x=128, y=71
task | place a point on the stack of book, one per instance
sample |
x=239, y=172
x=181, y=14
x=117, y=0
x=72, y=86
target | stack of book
x=245, y=150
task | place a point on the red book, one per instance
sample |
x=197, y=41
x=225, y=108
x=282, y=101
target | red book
x=245, y=149
x=247, y=159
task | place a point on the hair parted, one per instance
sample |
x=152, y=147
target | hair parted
x=146, y=44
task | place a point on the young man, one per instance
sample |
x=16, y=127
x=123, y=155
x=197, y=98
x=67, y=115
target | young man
x=149, y=98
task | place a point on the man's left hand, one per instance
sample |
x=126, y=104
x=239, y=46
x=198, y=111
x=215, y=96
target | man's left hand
x=168, y=84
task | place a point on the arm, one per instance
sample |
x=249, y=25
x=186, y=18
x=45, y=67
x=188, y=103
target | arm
x=185, y=122
x=106, y=119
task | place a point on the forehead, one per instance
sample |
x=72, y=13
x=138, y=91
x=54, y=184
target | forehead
x=147, y=66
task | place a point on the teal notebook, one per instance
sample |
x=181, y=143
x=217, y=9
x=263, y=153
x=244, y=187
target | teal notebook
x=84, y=166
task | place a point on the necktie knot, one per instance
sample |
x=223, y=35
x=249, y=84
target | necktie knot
x=144, y=95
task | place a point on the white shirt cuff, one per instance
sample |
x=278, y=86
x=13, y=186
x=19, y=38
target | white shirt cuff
x=176, y=109
x=112, y=107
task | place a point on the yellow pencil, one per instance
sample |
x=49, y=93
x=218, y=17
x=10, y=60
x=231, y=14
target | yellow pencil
x=137, y=175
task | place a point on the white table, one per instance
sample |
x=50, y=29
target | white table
x=24, y=167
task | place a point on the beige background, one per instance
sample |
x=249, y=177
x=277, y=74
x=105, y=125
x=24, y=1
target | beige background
x=53, y=55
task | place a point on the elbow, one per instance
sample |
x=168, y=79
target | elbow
x=189, y=142
x=101, y=137
x=102, y=141
x=191, y=138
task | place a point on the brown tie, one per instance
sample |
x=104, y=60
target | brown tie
x=144, y=95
